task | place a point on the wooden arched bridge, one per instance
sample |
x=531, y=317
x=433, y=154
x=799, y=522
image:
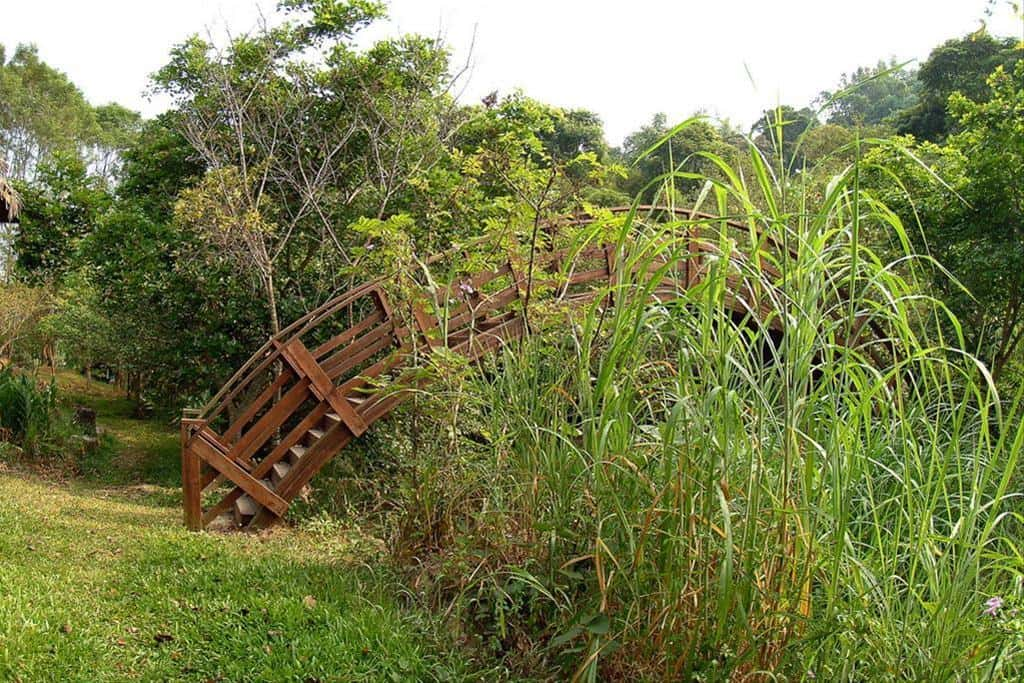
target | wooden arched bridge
x=325, y=379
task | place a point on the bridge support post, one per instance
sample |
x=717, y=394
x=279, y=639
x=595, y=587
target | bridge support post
x=191, y=479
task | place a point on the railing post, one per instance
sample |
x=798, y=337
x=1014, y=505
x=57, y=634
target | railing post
x=191, y=479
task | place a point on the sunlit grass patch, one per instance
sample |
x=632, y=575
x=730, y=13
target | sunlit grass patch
x=99, y=586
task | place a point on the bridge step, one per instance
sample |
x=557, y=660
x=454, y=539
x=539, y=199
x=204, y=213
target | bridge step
x=313, y=435
x=280, y=471
x=245, y=509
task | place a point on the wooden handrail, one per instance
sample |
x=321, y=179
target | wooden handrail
x=216, y=405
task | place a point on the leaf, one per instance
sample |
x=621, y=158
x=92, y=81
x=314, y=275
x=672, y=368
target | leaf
x=309, y=601
x=599, y=624
x=566, y=637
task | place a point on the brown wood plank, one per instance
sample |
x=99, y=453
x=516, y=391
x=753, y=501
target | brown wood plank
x=487, y=304
x=271, y=421
x=293, y=437
x=382, y=303
x=349, y=334
x=304, y=363
x=485, y=342
x=335, y=439
x=380, y=337
x=263, y=468
x=242, y=382
x=254, y=487
x=279, y=383
x=425, y=323
x=347, y=364
x=388, y=402
x=588, y=276
x=190, y=485
x=296, y=353
x=380, y=367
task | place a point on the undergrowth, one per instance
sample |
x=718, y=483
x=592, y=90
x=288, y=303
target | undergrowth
x=818, y=488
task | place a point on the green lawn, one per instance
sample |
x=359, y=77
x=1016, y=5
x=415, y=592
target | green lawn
x=100, y=582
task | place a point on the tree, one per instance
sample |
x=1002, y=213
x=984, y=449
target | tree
x=973, y=223
x=21, y=309
x=61, y=206
x=871, y=95
x=297, y=147
x=959, y=65
x=779, y=131
x=680, y=153
x=41, y=112
x=575, y=131
x=117, y=129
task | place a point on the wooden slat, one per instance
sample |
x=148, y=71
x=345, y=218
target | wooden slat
x=271, y=421
x=293, y=437
x=242, y=382
x=375, y=370
x=349, y=334
x=340, y=362
x=492, y=339
x=345, y=365
x=308, y=465
x=304, y=363
x=190, y=485
x=487, y=304
x=279, y=383
x=265, y=465
x=254, y=487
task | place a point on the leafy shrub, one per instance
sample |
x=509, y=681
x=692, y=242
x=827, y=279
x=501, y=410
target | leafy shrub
x=26, y=409
x=35, y=426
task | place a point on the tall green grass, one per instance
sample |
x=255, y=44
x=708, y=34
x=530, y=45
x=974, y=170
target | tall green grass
x=669, y=491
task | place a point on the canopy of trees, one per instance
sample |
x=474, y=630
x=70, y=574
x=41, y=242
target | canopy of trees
x=171, y=247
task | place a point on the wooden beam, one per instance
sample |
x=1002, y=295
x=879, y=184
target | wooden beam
x=191, y=480
x=302, y=360
x=226, y=466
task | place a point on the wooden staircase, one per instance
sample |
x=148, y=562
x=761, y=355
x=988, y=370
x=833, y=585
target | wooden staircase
x=326, y=378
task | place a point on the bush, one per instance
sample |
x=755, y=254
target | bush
x=33, y=425
x=26, y=409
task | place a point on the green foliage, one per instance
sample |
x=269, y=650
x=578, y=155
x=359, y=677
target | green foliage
x=778, y=134
x=967, y=195
x=21, y=310
x=62, y=206
x=84, y=334
x=959, y=65
x=42, y=113
x=669, y=491
x=680, y=153
x=871, y=95
x=25, y=409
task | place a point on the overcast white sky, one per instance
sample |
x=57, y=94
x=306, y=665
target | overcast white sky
x=624, y=60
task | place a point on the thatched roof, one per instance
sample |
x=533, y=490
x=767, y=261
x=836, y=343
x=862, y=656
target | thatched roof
x=10, y=202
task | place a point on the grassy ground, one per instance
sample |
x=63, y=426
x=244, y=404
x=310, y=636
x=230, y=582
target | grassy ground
x=99, y=582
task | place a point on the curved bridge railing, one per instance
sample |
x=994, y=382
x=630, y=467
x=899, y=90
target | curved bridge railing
x=326, y=378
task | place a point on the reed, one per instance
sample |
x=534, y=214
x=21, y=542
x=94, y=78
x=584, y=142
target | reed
x=671, y=491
